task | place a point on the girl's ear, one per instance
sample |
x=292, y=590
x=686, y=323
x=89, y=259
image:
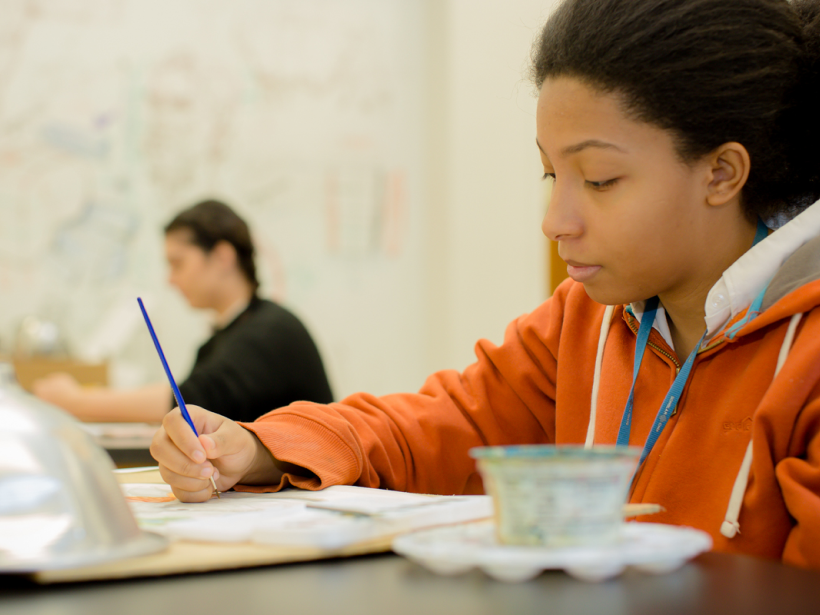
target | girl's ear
x=729, y=167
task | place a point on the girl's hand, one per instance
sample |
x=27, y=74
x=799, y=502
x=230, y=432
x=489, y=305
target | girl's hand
x=225, y=450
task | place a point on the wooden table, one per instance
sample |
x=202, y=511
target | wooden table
x=387, y=584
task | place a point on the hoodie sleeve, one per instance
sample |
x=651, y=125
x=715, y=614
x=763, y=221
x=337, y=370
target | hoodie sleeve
x=419, y=442
x=799, y=479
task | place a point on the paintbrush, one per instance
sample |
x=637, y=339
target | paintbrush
x=174, y=387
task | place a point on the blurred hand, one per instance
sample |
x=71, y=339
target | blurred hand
x=59, y=389
x=224, y=450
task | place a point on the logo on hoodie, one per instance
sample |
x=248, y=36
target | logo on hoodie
x=744, y=425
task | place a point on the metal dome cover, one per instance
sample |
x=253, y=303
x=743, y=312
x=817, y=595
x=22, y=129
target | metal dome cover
x=60, y=504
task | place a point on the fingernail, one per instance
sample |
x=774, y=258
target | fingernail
x=198, y=456
x=216, y=474
x=206, y=472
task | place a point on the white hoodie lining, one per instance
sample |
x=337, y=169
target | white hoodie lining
x=596, y=378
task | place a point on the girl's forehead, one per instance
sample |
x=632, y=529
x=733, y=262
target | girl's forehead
x=567, y=103
x=180, y=245
x=571, y=113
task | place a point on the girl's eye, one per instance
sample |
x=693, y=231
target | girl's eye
x=602, y=185
x=550, y=175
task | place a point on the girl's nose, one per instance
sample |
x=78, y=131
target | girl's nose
x=561, y=220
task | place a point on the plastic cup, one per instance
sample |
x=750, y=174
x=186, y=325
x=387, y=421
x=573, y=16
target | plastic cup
x=557, y=495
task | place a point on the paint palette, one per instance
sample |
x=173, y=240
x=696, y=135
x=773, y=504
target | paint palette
x=649, y=547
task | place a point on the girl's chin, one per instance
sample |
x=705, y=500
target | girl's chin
x=609, y=294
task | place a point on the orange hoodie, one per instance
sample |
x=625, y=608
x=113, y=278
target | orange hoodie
x=537, y=388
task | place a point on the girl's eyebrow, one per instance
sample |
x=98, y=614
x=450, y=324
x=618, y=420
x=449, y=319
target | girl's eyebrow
x=574, y=149
x=578, y=147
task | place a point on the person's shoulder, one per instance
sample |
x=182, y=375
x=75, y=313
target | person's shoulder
x=263, y=313
x=265, y=308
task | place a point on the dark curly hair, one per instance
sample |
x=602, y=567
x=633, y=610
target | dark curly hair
x=210, y=222
x=710, y=72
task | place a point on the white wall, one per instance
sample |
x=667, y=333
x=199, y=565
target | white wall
x=487, y=256
x=471, y=258
x=303, y=114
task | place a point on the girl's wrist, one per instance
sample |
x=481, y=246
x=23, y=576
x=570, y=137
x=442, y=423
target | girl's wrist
x=263, y=469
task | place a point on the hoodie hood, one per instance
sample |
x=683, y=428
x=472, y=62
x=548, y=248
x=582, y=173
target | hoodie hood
x=794, y=289
x=755, y=271
x=800, y=269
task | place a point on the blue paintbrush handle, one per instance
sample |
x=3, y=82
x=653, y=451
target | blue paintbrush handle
x=174, y=387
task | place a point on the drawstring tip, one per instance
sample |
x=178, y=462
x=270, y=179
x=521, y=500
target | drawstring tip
x=730, y=529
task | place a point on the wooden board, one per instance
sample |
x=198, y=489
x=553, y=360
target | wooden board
x=87, y=374
x=186, y=557
x=557, y=268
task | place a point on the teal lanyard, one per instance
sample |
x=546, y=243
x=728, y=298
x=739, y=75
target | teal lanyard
x=670, y=402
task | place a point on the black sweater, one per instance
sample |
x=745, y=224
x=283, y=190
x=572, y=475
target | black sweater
x=264, y=359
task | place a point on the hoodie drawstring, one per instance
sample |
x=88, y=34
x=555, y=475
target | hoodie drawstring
x=730, y=526
x=596, y=377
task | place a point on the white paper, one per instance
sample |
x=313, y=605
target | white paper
x=290, y=517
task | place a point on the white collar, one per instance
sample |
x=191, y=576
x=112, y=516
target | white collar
x=748, y=276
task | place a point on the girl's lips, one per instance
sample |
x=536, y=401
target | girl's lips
x=582, y=273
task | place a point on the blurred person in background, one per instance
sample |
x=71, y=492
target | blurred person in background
x=260, y=356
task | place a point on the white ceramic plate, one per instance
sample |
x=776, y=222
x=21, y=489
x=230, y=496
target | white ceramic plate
x=650, y=547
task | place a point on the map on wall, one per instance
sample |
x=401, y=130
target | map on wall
x=301, y=114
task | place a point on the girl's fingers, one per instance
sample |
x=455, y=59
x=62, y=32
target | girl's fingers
x=180, y=433
x=168, y=455
x=186, y=484
x=227, y=439
x=182, y=457
x=202, y=495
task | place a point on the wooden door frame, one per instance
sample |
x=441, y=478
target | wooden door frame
x=557, y=269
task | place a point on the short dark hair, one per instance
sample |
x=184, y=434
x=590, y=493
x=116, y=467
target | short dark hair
x=210, y=222
x=710, y=72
